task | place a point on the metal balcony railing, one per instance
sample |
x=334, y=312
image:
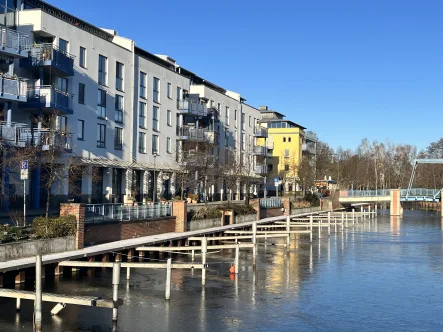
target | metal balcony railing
x=197, y=134
x=260, y=150
x=261, y=169
x=9, y=131
x=48, y=96
x=310, y=136
x=12, y=41
x=49, y=55
x=11, y=88
x=45, y=137
x=271, y=202
x=260, y=132
x=190, y=107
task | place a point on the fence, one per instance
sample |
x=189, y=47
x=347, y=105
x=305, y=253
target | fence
x=96, y=213
x=271, y=203
x=387, y=192
x=306, y=210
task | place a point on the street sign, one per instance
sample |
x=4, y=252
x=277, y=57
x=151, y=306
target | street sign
x=24, y=170
x=276, y=179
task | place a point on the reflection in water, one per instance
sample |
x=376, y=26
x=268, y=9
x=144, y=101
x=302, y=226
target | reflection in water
x=376, y=269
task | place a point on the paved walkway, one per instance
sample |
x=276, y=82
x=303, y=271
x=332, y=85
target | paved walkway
x=130, y=244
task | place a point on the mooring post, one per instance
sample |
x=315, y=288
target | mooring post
x=17, y=305
x=311, y=226
x=193, y=254
x=115, y=283
x=237, y=257
x=319, y=228
x=38, y=294
x=128, y=273
x=335, y=224
x=346, y=218
x=353, y=216
x=254, y=241
x=369, y=211
x=168, y=279
x=204, y=250
x=288, y=230
x=375, y=210
x=329, y=218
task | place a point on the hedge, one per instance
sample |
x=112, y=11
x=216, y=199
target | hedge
x=50, y=228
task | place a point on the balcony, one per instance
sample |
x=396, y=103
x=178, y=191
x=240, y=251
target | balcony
x=260, y=151
x=311, y=137
x=270, y=145
x=192, y=108
x=187, y=133
x=261, y=169
x=308, y=148
x=48, y=55
x=13, y=89
x=48, y=98
x=45, y=138
x=10, y=133
x=13, y=43
x=260, y=132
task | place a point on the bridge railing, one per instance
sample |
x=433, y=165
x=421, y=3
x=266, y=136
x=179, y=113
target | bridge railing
x=365, y=193
x=420, y=192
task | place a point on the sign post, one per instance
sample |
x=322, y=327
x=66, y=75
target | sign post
x=24, y=176
x=277, y=183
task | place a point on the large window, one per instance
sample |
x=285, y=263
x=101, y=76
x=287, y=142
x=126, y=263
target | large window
x=156, y=90
x=227, y=116
x=168, y=118
x=101, y=135
x=82, y=57
x=243, y=141
x=169, y=91
x=235, y=118
x=243, y=121
x=155, y=144
x=155, y=118
x=62, y=84
x=142, y=115
x=142, y=142
x=179, y=93
x=81, y=130
x=168, y=144
x=118, y=140
x=102, y=70
x=119, y=68
x=119, y=108
x=81, y=93
x=62, y=123
x=63, y=45
x=101, y=103
x=142, y=84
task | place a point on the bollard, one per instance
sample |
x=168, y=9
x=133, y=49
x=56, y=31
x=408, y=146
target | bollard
x=369, y=212
x=128, y=273
x=311, y=226
x=343, y=218
x=17, y=305
x=335, y=224
x=168, y=279
x=254, y=241
x=237, y=257
x=204, y=250
x=38, y=294
x=115, y=283
x=319, y=228
x=288, y=229
x=375, y=210
x=193, y=254
x=353, y=216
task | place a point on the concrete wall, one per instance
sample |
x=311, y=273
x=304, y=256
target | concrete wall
x=245, y=218
x=194, y=225
x=24, y=249
x=305, y=210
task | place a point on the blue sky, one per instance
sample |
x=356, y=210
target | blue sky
x=346, y=69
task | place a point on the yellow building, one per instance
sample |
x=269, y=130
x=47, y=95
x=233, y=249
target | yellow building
x=285, y=143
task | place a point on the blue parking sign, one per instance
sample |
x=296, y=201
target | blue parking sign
x=24, y=164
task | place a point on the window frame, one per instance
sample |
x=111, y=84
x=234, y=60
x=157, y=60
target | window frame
x=120, y=78
x=142, y=139
x=118, y=110
x=142, y=115
x=66, y=51
x=156, y=90
x=102, y=72
x=102, y=107
x=155, y=118
x=101, y=143
x=82, y=131
x=168, y=145
x=82, y=54
x=81, y=88
x=143, y=85
x=169, y=118
x=169, y=90
x=156, y=143
x=118, y=145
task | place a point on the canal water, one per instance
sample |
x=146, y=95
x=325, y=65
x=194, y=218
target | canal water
x=383, y=275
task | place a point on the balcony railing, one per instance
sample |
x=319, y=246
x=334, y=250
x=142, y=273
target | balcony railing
x=309, y=148
x=13, y=42
x=13, y=89
x=310, y=136
x=45, y=138
x=197, y=134
x=190, y=107
x=260, y=132
x=48, y=97
x=49, y=55
x=9, y=132
x=260, y=150
x=261, y=169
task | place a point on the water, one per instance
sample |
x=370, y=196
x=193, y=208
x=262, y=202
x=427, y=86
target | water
x=380, y=276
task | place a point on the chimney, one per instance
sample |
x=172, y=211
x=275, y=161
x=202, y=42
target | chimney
x=263, y=108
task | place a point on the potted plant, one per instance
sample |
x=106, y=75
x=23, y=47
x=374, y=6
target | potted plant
x=194, y=198
x=189, y=198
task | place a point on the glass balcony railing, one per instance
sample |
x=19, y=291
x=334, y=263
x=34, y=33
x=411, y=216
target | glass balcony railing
x=260, y=150
x=14, y=43
x=197, y=134
x=261, y=169
x=49, y=55
x=260, y=132
x=50, y=98
x=190, y=107
x=45, y=138
x=9, y=132
x=13, y=89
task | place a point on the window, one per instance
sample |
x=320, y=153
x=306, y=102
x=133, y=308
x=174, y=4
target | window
x=286, y=167
x=243, y=121
x=270, y=167
x=168, y=118
x=286, y=153
x=81, y=93
x=226, y=138
x=155, y=118
x=142, y=115
x=62, y=123
x=81, y=130
x=142, y=84
x=179, y=94
x=102, y=70
x=284, y=139
x=169, y=91
x=289, y=139
x=243, y=141
x=119, y=67
x=101, y=103
x=168, y=145
x=142, y=142
x=227, y=116
x=118, y=139
x=218, y=108
x=62, y=84
x=63, y=45
x=249, y=121
x=101, y=135
x=119, y=108
x=235, y=118
x=82, y=57
x=155, y=144
x=156, y=90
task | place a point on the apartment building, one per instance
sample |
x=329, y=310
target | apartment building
x=125, y=116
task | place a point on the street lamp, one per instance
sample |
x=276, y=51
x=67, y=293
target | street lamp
x=154, y=182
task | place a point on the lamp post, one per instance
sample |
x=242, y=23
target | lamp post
x=154, y=182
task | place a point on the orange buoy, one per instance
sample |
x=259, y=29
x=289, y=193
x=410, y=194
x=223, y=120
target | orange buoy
x=232, y=269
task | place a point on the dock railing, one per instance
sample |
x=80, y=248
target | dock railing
x=271, y=202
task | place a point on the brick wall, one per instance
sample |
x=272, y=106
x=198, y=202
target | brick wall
x=103, y=233
x=77, y=210
x=255, y=203
x=286, y=205
x=268, y=213
x=180, y=212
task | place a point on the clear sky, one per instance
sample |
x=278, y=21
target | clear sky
x=346, y=69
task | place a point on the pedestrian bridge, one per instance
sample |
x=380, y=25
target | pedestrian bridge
x=384, y=195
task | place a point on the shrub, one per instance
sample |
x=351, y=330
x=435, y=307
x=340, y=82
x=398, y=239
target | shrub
x=312, y=198
x=50, y=228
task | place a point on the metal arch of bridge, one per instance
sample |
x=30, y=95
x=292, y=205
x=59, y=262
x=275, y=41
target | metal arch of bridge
x=411, y=180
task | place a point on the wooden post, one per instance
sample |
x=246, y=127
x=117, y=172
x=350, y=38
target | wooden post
x=115, y=283
x=17, y=305
x=128, y=273
x=369, y=211
x=204, y=251
x=38, y=294
x=168, y=279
